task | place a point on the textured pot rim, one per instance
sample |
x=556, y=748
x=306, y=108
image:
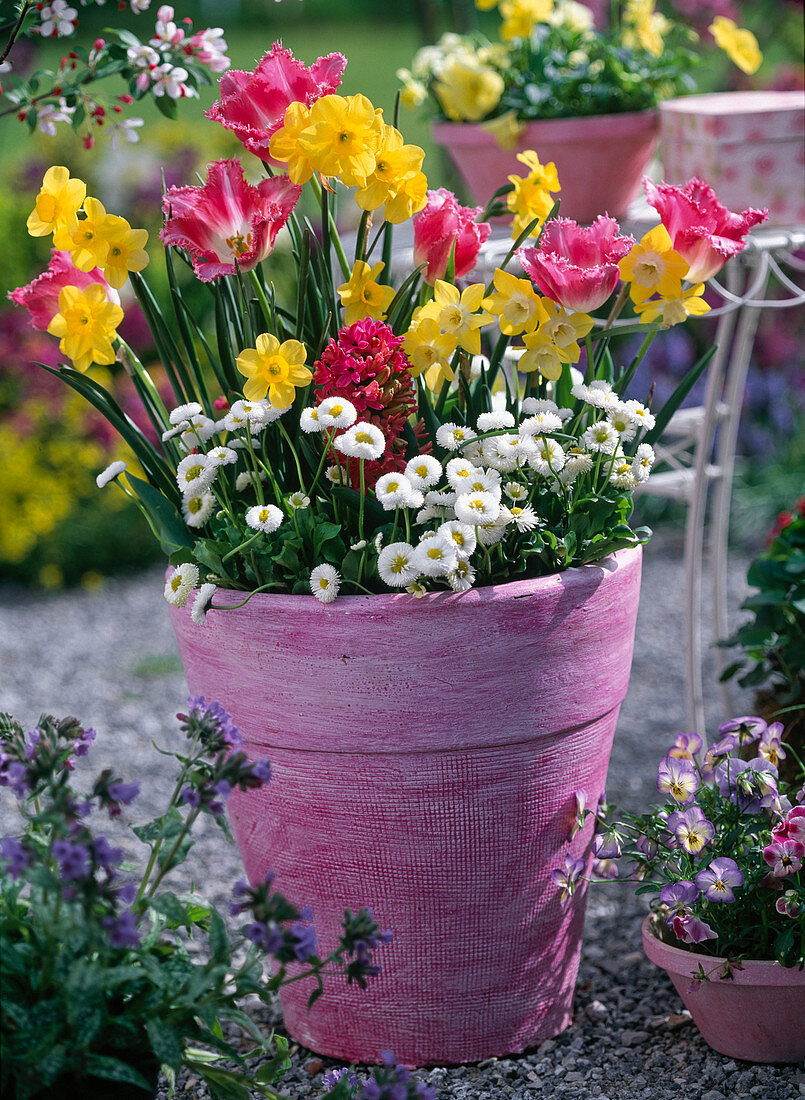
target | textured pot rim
x=754, y=972
x=577, y=578
x=750, y=102
x=619, y=123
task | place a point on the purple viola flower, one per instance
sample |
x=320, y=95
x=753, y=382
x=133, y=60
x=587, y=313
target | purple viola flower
x=14, y=855
x=678, y=779
x=122, y=930
x=746, y=729
x=191, y=797
x=691, y=829
x=787, y=904
x=73, y=859
x=305, y=937
x=121, y=794
x=579, y=812
x=649, y=848
x=607, y=845
x=332, y=1078
x=717, y=880
x=605, y=868
x=686, y=746
x=679, y=895
x=566, y=879
x=690, y=929
x=784, y=856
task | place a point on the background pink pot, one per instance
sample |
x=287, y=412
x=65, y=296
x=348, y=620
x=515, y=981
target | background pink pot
x=756, y=1015
x=425, y=756
x=600, y=159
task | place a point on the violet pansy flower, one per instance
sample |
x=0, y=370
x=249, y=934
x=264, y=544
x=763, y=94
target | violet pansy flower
x=678, y=779
x=784, y=856
x=566, y=879
x=679, y=895
x=692, y=829
x=690, y=929
x=717, y=880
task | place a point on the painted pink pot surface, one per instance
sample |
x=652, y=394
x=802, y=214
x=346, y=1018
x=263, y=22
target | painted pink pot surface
x=425, y=755
x=600, y=160
x=749, y=146
x=757, y=1015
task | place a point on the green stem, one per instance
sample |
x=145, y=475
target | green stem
x=242, y=546
x=289, y=441
x=363, y=499
x=261, y=297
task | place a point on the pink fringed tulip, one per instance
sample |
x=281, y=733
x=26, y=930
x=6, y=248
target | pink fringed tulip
x=574, y=266
x=443, y=221
x=703, y=231
x=227, y=220
x=41, y=297
x=253, y=104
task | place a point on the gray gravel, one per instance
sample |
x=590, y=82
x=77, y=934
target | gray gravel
x=109, y=657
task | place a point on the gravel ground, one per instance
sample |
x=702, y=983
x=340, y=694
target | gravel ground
x=109, y=657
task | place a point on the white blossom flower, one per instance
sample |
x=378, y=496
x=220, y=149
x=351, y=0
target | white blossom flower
x=378, y=541
x=541, y=423
x=199, y=429
x=309, y=420
x=497, y=455
x=623, y=422
x=533, y=405
x=393, y=490
x=325, y=581
x=271, y=413
x=336, y=474
x=125, y=128
x=548, y=457
x=362, y=440
x=48, y=115
x=474, y=451
x=601, y=437
x=111, y=473
x=477, y=508
x=525, y=518
x=643, y=462
x=622, y=475
x=197, y=508
x=491, y=421
x=577, y=462
x=599, y=393
x=201, y=604
x=462, y=534
x=57, y=19
x=436, y=555
x=144, y=58
x=139, y=6
x=251, y=414
x=337, y=412
x=264, y=517
x=452, y=436
x=423, y=471
x=641, y=414
x=395, y=565
x=459, y=473
x=180, y=584
x=222, y=456
x=429, y=512
x=515, y=491
x=462, y=578
x=195, y=473
x=440, y=498
x=491, y=533
x=484, y=481
x=361, y=544
x=248, y=479
x=297, y=502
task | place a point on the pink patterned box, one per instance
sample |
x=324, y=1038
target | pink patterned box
x=749, y=146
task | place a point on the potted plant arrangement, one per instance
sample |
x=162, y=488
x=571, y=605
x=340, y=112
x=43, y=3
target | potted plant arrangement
x=721, y=859
x=407, y=572
x=584, y=99
x=108, y=974
x=772, y=640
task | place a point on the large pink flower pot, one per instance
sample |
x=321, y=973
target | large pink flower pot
x=425, y=756
x=758, y=1014
x=600, y=160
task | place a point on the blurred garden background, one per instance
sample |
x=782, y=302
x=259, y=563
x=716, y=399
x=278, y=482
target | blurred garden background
x=57, y=529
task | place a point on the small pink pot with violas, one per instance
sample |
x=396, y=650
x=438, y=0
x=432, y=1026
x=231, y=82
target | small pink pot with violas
x=428, y=759
x=757, y=1013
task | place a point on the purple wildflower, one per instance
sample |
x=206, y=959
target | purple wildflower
x=105, y=855
x=605, y=868
x=84, y=739
x=126, y=894
x=14, y=855
x=649, y=848
x=566, y=879
x=784, y=856
x=746, y=729
x=15, y=776
x=691, y=829
x=73, y=859
x=717, y=880
x=686, y=746
x=690, y=929
x=260, y=774
x=122, y=930
x=679, y=895
x=579, y=812
x=678, y=779
x=305, y=936
x=191, y=797
x=332, y=1078
x=121, y=794
x=607, y=845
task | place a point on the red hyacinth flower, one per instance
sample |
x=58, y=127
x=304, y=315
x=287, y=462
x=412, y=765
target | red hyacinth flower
x=227, y=220
x=441, y=222
x=253, y=104
x=574, y=266
x=703, y=231
x=41, y=296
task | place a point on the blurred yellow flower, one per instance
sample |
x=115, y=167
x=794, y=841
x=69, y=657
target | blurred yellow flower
x=531, y=198
x=363, y=296
x=644, y=27
x=57, y=203
x=521, y=16
x=275, y=369
x=413, y=91
x=468, y=90
x=85, y=325
x=739, y=44
x=505, y=129
x=343, y=137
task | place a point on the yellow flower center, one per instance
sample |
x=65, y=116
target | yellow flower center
x=399, y=563
x=363, y=437
x=336, y=410
x=239, y=244
x=194, y=505
x=193, y=472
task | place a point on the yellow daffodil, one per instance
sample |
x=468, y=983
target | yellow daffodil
x=468, y=90
x=515, y=304
x=363, y=296
x=343, y=137
x=675, y=304
x=126, y=251
x=564, y=329
x=88, y=245
x=644, y=27
x=531, y=195
x=57, y=203
x=411, y=197
x=505, y=129
x=428, y=350
x=652, y=260
x=395, y=163
x=456, y=313
x=285, y=147
x=540, y=355
x=413, y=91
x=85, y=325
x=739, y=44
x=521, y=16
x=275, y=369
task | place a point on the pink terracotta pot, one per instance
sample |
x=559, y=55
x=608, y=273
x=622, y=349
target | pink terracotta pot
x=600, y=159
x=758, y=1015
x=749, y=146
x=425, y=755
